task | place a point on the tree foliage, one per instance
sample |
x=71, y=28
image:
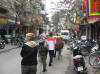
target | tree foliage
x=74, y=9
x=57, y=15
x=22, y=8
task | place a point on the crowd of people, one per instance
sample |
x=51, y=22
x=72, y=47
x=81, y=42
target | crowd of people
x=31, y=50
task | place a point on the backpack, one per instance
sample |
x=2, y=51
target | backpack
x=43, y=50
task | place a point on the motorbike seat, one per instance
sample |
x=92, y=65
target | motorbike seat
x=77, y=57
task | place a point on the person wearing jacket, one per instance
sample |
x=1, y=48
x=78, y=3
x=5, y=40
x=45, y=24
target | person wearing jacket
x=51, y=41
x=29, y=55
x=98, y=42
x=43, y=51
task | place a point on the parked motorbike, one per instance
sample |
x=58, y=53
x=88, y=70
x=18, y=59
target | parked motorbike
x=72, y=45
x=79, y=63
x=86, y=48
x=2, y=44
x=76, y=51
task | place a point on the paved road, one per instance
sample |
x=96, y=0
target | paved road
x=10, y=63
x=62, y=66
x=8, y=47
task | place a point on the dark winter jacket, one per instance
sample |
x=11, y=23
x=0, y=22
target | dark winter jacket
x=29, y=53
x=98, y=44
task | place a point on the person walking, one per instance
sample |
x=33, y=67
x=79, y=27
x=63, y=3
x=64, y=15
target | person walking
x=51, y=41
x=29, y=55
x=59, y=46
x=43, y=51
x=98, y=42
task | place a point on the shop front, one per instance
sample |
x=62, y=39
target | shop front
x=3, y=21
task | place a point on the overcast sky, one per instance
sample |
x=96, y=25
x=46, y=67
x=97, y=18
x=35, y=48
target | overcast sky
x=49, y=5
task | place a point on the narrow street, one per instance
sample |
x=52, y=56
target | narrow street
x=62, y=66
x=73, y=22
x=10, y=63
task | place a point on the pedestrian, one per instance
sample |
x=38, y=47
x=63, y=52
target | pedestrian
x=51, y=41
x=21, y=41
x=98, y=42
x=59, y=46
x=29, y=55
x=43, y=51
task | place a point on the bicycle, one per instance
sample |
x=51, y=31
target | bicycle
x=94, y=61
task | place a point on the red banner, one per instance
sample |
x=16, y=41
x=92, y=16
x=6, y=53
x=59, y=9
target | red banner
x=93, y=10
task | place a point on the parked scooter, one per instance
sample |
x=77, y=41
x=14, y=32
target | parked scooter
x=88, y=47
x=79, y=63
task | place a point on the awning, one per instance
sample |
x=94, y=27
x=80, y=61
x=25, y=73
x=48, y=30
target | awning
x=93, y=21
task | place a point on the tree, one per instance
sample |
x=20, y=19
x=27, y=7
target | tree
x=56, y=18
x=57, y=15
x=75, y=9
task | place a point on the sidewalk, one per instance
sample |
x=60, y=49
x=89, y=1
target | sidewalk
x=8, y=47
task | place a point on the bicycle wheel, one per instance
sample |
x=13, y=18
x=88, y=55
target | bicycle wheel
x=85, y=51
x=96, y=63
x=94, y=58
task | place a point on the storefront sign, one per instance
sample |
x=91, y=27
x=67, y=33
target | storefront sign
x=78, y=19
x=93, y=10
x=36, y=18
x=76, y=26
x=3, y=20
x=41, y=19
x=83, y=37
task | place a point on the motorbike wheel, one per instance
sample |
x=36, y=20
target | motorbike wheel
x=2, y=46
x=94, y=59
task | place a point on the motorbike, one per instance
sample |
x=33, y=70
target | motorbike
x=88, y=47
x=78, y=60
x=79, y=64
x=2, y=44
